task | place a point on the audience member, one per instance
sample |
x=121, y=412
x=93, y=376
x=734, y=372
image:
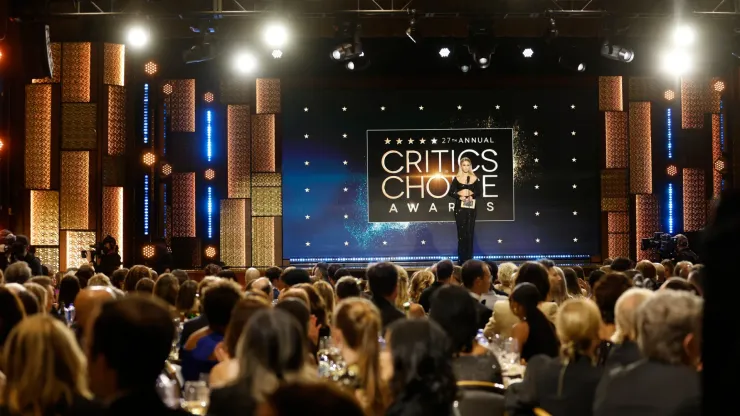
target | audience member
x=326, y=291
x=505, y=276
x=292, y=277
x=476, y=279
x=594, y=277
x=383, y=280
x=444, y=274
x=697, y=276
x=84, y=273
x=682, y=269
x=211, y=269
x=320, y=272
x=534, y=334
x=133, y=276
x=69, y=287
x=18, y=272
x=166, y=288
x=186, y=303
x=249, y=275
x=118, y=277
x=347, y=287
x=45, y=299
x=621, y=264
x=145, y=286
x=309, y=399
x=86, y=307
x=99, y=279
x=30, y=302
x=261, y=285
x=679, y=283
x=626, y=351
x=606, y=292
x=274, y=273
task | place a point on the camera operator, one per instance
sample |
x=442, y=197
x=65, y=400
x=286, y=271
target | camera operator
x=6, y=241
x=683, y=253
x=19, y=251
x=107, y=259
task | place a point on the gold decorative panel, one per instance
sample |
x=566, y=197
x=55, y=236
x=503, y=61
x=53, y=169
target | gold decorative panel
x=38, y=136
x=617, y=141
x=263, y=241
x=75, y=190
x=76, y=72
x=44, y=218
x=263, y=143
x=694, y=200
x=618, y=222
x=116, y=120
x=234, y=232
x=267, y=179
x=716, y=154
x=614, y=195
x=641, y=88
x=619, y=245
x=49, y=257
x=236, y=91
x=239, y=129
x=266, y=202
x=182, y=105
x=610, y=94
x=647, y=222
x=693, y=102
x=183, y=204
x=79, y=126
x=76, y=242
x=268, y=95
x=114, y=64
x=56, y=56
x=113, y=214
x=641, y=160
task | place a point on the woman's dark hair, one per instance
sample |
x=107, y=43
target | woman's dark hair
x=144, y=286
x=30, y=302
x=83, y=274
x=340, y=273
x=240, y=316
x=678, y=283
x=606, y=292
x=571, y=282
x=218, y=302
x=423, y=382
x=133, y=276
x=594, y=277
x=11, y=313
x=455, y=312
x=167, y=288
x=536, y=274
x=69, y=287
x=528, y=297
x=117, y=277
x=348, y=287
x=186, y=296
x=317, y=305
x=579, y=272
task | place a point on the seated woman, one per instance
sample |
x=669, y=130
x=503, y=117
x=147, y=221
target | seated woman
x=357, y=324
x=565, y=385
x=626, y=351
x=474, y=364
x=535, y=334
x=270, y=352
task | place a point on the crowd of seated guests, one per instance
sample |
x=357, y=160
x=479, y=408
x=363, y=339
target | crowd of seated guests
x=594, y=344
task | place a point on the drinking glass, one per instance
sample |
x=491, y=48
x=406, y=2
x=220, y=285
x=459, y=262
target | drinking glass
x=195, y=397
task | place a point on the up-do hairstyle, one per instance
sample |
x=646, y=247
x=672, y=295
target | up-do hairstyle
x=577, y=325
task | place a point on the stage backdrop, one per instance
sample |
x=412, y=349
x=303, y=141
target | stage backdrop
x=365, y=171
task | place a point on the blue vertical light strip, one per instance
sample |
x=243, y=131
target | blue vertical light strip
x=164, y=128
x=146, y=113
x=210, y=212
x=670, y=134
x=670, y=208
x=209, y=130
x=146, y=204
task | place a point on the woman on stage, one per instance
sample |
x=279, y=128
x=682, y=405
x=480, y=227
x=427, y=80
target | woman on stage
x=465, y=188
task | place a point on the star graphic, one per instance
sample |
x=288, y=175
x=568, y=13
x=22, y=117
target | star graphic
x=575, y=186
x=346, y=216
x=536, y=187
x=411, y=141
x=385, y=243
x=536, y=133
x=344, y=135
x=421, y=108
x=536, y=160
x=387, y=141
x=308, y=217
x=498, y=107
x=305, y=136
x=459, y=107
x=306, y=163
x=382, y=108
x=535, y=106
x=575, y=240
x=575, y=212
x=573, y=133
x=305, y=109
x=574, y=160
x=434, y=141
x=423, y=242
x=308, y=190
x=346, y=189
x=344, y=108
x=537, y=213
x=399, y=141
x=345, y=163
x=537, y=240
x=422, y=140
x=500, y=241
x=572, y=106
x=346, y=243
x=308, y=244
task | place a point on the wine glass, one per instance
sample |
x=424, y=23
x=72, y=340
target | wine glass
x=195, y=397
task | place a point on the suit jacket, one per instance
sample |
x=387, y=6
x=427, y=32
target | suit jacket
x=388, y=311
x=649, y=387
x=425, y=300
x=484, y=314
x=623, y=354
x=143, y=402
x=503, y=319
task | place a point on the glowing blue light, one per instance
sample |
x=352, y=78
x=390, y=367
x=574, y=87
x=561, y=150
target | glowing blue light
x=209, y=118
x=437, y=258
x=670, y=208
x=146, y=204
x=164, y=130
x=210, y=212
x=670, y=133
x=146, y=113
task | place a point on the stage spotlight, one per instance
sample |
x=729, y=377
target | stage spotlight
x=210, y=174
x=148, y=158
x=465, y=68
x=527, y=52
x=676, y=62
x=275, y=35
x=167, y=89
x=617, y=53
x=719, y=86
x=166, y=169
x=150, y=68
x=245, y=62
x=684, y=35
x=148, y=251
x=1, y=145
x=137, y=37
x=277, y=54
x=669, y=95
x=672, y=170
x=444, y=52
x=350, y=66
x=210, y=252
x=722, y=165
x=571, y=63
x=208, y=97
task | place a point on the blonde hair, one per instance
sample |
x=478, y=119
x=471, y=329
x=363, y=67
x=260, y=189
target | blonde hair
x=327, y=294
x=506, y=274
x=577, y=323
x=359, y=322
x=99, y=279
x=625, y=313
x=403, y=287
x=420, y=281
x=459, y=168
x=44, y=367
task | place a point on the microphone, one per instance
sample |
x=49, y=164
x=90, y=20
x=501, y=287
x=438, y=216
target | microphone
x=468, y=179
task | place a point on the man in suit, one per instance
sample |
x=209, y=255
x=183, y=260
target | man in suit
x=444, y=274
x=476, y=277
x=383, y=280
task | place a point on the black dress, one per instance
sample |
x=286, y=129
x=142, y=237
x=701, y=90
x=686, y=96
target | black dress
x=465, y=218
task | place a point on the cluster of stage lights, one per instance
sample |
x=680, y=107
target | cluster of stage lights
x=147, y=251
x=677, y=58
x=210, y=252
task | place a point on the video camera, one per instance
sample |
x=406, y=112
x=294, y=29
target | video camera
x=663, y=242
x=99, y=248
